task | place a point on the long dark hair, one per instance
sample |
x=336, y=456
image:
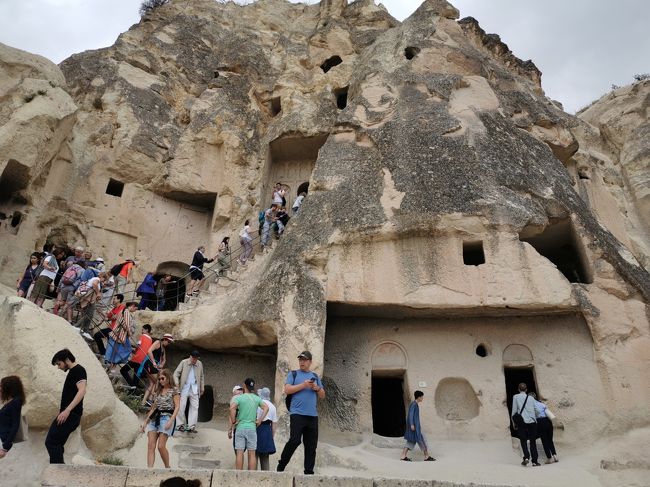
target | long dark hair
x=12, y=387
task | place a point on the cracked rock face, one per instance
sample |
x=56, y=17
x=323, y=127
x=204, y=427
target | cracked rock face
x=425, y=144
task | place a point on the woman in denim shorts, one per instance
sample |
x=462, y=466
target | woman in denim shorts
x=161, y=418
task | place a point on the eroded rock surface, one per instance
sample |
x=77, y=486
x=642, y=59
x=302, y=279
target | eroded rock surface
x=443, y=185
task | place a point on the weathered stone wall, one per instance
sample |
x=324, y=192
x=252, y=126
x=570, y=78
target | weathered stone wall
x=445, y=138
x=439, y=358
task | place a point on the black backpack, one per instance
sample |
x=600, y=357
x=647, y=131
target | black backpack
x=117, y=268
x=287, y=400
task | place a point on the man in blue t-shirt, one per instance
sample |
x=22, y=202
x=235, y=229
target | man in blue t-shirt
x=305, y=388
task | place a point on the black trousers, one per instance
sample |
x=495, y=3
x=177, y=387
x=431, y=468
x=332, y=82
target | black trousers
x=545, y=429
x=129, y=371
x=305, y=428
x=99, y=339
x=529, y=432
x=57, y=436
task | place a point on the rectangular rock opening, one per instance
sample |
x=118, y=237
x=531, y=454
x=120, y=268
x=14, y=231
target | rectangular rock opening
x=206, y=201
x=473, y=253
x=292, y=160
x=224, y=369
x=275, y=106
x=513, y=377
x=559, y=243
x=388, y=403
x=115, y=187
x=14, y=178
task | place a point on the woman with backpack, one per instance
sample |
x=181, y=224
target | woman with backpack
x=29, y=276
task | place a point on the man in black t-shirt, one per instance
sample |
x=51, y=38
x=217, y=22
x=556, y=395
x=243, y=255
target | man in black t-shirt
x=72, y=400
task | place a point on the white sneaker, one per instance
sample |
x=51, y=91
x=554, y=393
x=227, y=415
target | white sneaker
x=86, y=336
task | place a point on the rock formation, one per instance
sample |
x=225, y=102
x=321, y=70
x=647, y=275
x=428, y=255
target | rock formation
x=29, y=337
x=450, y=238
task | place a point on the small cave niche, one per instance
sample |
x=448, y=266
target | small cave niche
x=303, y=188
x=559, y=243
x=16, y=218
x=341, y=97
x=410, y=52
x=115, y=187
x=14, y=179
x=473, y=253
x=329, y=63
x=482, y=350
x=275, y=106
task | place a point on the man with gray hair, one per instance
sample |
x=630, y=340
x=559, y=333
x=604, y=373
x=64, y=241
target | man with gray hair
x=190, y=379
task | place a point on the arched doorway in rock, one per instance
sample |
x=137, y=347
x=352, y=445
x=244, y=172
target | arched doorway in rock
x=388, y=394
x=303, y=188
x=518, y=367
x=175, y=290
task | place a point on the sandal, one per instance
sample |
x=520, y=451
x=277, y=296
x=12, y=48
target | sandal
x=406, y=459
x=429, y=459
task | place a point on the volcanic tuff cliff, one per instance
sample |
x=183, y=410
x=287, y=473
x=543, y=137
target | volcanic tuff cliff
x=417, y=138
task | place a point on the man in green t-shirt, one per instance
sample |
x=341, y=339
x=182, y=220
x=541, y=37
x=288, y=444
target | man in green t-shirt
x=244, y=407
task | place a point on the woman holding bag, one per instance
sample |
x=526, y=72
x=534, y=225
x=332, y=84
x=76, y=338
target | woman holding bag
x=545, y=428
x=12, y=398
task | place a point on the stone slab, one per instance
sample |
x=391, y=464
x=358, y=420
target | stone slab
x=151, y=477
x=425, y=483
x=257, y=478
x=327, y=481
x=84, y=476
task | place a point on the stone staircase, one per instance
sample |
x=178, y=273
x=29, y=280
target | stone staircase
x=194, y=456
x=219, y=285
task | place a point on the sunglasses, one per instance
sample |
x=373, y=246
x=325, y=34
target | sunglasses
x=162, y=378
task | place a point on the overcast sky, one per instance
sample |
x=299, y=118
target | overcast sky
x=582, y=47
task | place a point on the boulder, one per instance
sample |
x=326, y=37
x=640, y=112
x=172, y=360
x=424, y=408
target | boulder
x=29, y=337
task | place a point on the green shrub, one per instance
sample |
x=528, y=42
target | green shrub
x=111, y=460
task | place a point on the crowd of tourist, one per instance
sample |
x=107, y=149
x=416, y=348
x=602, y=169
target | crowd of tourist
x=253, y=416
x=78, y=281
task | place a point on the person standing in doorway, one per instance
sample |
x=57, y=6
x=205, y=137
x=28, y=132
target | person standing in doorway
x=243, y=413
x=189, y=377
x=305, y=388
x=524, y=405
x=72, y=400
x=413, y=434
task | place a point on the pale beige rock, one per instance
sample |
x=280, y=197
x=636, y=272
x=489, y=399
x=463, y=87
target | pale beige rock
x=29, y=337
x=84, y=476
x=148, y=477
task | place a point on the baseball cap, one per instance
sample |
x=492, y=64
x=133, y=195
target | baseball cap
x=237, y=388
x=250, y=384
x=99, y=259
x=195, y=353
x=306, y=354
x=168, y=336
